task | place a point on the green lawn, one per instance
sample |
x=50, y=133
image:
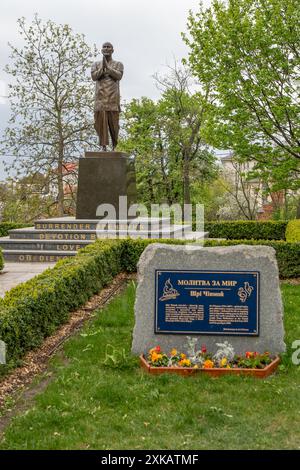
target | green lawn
x=100, y=399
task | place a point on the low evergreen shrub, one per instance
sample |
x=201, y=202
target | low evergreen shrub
x=292, y=233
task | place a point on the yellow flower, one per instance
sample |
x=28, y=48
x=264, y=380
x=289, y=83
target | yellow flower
x=154, y=356
x=185, y=363
x=183, y=356
x=174, y=352
x=208, y=364
x=223, y=362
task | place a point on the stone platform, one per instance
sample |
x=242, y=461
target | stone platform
x=53, y=239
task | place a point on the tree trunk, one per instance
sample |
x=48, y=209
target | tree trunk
x=298, y=210
x=60, y=188
x=186, y=180
x=150, y=189
x=60, y=182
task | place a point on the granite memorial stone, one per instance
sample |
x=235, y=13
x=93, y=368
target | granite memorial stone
x=222, y=293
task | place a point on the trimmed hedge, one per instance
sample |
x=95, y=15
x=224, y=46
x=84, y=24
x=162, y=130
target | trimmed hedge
x=132, y=250
x=292, y=233
x=33, y=310
x=247, y=229
x=6, y=226
x=287, y=254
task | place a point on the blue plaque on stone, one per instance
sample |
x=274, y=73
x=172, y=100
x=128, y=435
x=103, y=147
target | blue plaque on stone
x=207, y=302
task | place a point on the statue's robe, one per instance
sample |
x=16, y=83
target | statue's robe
x=107, y=101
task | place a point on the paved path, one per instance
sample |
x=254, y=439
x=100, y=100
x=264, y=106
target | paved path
x=15, y=273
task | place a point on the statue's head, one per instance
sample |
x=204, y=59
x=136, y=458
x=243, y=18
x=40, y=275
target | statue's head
x=107, y=49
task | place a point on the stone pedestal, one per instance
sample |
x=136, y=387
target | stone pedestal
x=103, y=177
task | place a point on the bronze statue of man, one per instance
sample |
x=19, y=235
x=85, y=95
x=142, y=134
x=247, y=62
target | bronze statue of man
x=107, y=74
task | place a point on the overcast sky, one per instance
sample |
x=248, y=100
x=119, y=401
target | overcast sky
x=145, y=35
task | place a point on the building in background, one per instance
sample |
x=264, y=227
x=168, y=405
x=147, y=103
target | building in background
x=250, y=194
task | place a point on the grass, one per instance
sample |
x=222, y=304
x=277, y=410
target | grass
x=100, y=399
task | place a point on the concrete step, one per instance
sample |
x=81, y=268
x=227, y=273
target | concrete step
x=36, y=256
x=42, y=245
x=196, y=235
x=71, y=235
x=70, y=223
x=92, y=235
x=53, y=239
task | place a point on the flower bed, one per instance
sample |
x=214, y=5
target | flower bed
x=223, y=362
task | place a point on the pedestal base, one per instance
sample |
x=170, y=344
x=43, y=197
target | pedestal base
x=53, y=239
x=103, y=177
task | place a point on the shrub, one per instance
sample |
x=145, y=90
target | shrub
x=132, y=250
x=292, y=233
x=247, y=229
x=33, y=310
x=6, y=226
x=287, y=254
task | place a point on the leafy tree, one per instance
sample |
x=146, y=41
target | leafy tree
x=140, y=136
x=249, y=53
x=243, y=193
x=212, y=194
x=26, y=199
x=51, y=99
x=168, y=140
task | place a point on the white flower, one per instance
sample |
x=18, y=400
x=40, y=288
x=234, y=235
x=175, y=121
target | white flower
x=225, y=350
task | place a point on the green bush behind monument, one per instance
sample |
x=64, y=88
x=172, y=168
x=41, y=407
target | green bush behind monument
x=6, y=226
x=287, y=254
x=247, y=229
x=292, y=233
